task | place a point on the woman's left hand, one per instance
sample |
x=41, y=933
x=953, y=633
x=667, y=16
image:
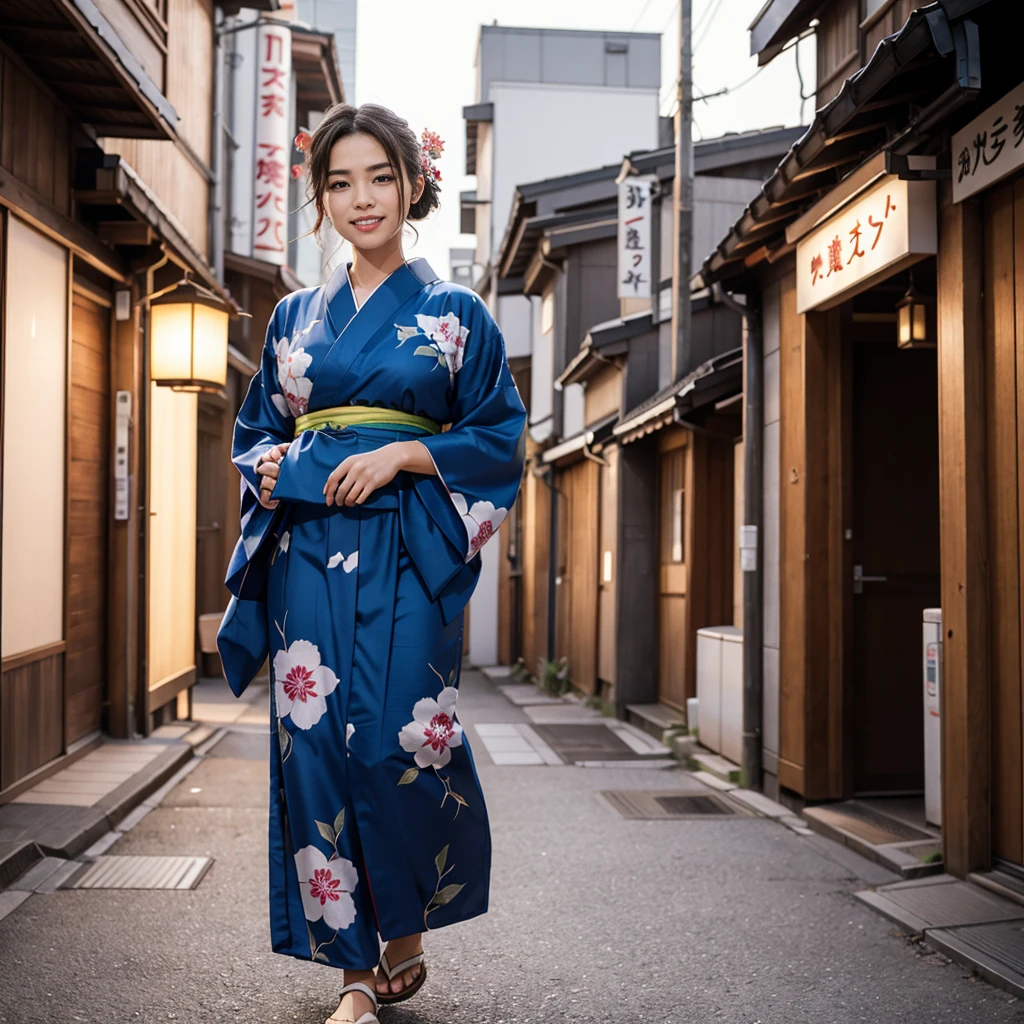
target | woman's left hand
x=353, y=480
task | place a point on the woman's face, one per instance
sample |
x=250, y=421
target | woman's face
x=362, y=192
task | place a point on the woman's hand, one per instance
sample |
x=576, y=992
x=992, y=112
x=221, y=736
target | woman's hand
x=268, y=469
x=357, y=477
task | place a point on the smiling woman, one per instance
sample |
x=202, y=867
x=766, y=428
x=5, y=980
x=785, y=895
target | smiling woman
x=380, y=444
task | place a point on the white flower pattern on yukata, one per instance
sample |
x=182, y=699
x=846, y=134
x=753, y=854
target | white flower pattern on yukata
x=481, y=520
x=348, y=564
x=301, y=683
x=326, y=887
x=292, y=363
x=447, y=339
x=433, y=731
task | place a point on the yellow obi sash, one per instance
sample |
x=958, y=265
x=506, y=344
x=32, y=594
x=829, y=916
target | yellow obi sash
x=342, y=416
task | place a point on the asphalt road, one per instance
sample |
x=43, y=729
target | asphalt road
x=593, y=918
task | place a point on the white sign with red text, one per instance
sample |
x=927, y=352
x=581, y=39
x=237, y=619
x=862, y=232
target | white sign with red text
x=635, y=238
x=273, y=142
x=887, y=227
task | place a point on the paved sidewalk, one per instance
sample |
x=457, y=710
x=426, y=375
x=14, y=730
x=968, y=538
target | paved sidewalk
x=594, y=917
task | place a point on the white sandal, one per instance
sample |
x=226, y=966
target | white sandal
x=391, y=973
x=366, y=1018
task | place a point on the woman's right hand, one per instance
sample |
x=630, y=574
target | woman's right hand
x=269, y=469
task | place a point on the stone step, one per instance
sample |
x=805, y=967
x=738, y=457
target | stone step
x=656, y=719
x=715, y=764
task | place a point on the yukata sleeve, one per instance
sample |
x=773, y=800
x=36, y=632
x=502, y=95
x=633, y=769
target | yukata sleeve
x=479, y=460
x=263, y=421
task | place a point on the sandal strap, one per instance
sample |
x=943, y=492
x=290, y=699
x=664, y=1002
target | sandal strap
x=359, y=986
x=404, y=965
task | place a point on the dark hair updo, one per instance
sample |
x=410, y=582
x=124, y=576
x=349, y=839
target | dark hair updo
x=394, y=134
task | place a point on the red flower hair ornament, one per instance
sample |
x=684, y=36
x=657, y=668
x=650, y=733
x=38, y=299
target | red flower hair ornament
x=431, y=148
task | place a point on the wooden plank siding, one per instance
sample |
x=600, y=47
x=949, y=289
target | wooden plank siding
x=674, y=473
x=89, y=465
x=813, y=625
x=34, y=136
x=578, y=522
x=31, y=716
x=966, y=694
x=536, y=511
x=1003, y=518
x=838, y=45
x=163, y=166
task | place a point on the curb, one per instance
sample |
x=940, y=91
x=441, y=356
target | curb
x=97, y=820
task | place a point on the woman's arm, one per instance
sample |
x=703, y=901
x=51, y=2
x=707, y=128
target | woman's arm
x=358, y=476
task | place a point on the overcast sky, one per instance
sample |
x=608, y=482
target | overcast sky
x=417, y=57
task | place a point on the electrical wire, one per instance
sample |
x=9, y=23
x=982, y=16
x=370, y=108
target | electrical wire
x=701, y=33
x=640, y=16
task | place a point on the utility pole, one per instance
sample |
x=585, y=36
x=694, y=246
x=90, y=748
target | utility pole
x=682, y=196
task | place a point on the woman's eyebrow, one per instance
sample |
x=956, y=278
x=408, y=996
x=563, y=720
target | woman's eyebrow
x=372, y=167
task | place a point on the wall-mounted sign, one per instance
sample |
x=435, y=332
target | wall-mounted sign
x=990, y=147
x=635, y=238
x=883, y=230
x=273, y=142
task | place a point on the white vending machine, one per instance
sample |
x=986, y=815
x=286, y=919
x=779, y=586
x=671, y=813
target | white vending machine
x=932, y=630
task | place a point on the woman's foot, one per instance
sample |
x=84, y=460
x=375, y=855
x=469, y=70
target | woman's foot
x=398, y=950
x=354, y=1004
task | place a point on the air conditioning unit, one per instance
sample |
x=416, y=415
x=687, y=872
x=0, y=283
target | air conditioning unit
x=720, y=690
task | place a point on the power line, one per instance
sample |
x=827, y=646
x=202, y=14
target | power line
x=705, y=22
x=640, y=16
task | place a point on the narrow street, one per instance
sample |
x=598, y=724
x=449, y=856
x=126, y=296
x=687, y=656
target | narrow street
x=593, y=917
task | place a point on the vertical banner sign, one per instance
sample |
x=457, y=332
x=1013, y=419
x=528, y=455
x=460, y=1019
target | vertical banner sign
x=273, y=146
x=635, y=238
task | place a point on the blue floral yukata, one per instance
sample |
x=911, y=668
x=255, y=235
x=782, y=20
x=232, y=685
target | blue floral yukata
x=378, y=825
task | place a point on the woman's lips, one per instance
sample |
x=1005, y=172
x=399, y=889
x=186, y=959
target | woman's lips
x=367, y=226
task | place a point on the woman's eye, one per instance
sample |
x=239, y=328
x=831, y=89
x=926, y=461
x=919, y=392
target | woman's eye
x=384, y=177
x=337, y=184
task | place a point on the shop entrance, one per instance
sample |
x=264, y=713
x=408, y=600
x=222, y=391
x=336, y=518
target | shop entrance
x=893, y=558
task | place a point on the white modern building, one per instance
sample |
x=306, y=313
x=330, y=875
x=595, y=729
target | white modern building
x=548, y=103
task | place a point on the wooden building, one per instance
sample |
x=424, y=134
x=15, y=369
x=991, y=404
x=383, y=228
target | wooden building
x=884, y=258
x=110, y=170
x=589, y=505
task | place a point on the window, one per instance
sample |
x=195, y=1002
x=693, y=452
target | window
x=35, y=387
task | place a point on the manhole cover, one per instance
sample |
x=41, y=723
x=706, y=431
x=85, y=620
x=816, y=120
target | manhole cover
x=586, y=742
x=250, y=746
x=868, y=824
x=667, y=804
x=140, y=872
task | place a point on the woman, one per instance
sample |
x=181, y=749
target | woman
x=362, y=522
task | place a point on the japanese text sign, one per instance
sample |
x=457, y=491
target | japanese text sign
x=990, y=147
x=273, y=143
x=887, y=227
x=635, y=238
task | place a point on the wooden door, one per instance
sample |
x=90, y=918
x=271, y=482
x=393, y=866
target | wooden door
x=88, y=486
x=674, y=480
x=576, y=628
x=895, y=485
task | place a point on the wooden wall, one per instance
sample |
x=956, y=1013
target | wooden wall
x=536, y=512
x=1003, y=310
x=675, y=472
x=577, y=560
x=163, y=166
x=966, y=694
x=811, y=567
x=838, y=39
x=34, y=136
x=88, y=480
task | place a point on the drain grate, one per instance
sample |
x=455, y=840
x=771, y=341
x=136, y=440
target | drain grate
x=866, y=823
x=657, y=805
x=576, y=742
x=142, y=872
